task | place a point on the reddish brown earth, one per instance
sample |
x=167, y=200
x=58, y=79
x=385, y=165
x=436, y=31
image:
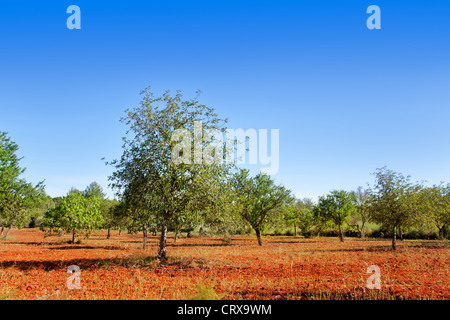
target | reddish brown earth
x=34, y=267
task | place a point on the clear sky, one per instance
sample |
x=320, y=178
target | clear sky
x=346, y=99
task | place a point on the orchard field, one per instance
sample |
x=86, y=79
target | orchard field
x=202, y=267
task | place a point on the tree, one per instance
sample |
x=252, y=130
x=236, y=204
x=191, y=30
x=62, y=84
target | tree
x=17, y=196
x=361, y=200
x=336, y=207
x=109, y=214
x=121, y=216
x=306, y=220
x=75, y=214
x=154, y=184
x=74, y=190
x=257, y=197
x=37, y=211
x=393, y=201
x=107, y=206
x=435, y=201
x=299, y=214
x=94, y=189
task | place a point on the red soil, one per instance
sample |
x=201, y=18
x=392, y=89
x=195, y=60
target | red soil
x=34, y=267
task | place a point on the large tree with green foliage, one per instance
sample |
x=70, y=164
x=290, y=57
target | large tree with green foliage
x=75, y=214
x=335, y=207
x=299, y=214
x=157, y=187
x=394, y=201
x=435, y=202
x=256, y=198
x=17, y=196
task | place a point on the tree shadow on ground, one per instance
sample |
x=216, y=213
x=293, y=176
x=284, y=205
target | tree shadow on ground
x=76, y=247
x=140, y=261
x=381, y=248
x=300, y=241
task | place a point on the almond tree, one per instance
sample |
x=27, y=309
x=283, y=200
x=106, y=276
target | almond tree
x=394, y=201
x=361, y=200
x=299, y=214
x=335, y=207
x=108, y=211
x=435, y=201
x=256, y=198
x=154, y=185
x=75, y=214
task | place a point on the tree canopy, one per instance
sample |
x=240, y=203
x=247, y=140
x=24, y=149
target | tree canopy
x=16, y=194
x=335, y=207
x=256, y=198
x=393, y=200
x=76, y=214
x=156, y=186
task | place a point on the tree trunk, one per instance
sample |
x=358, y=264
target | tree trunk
x=341, y=236
x=362, y=230
x=109, y=233
x=163, y=242
x=258, y=236
x=188, y=235
x=295, y=230
x=74, y=231
x=7, y=231
x=3, y=228
x=400, y=234
x=176, y=235
x=120, y=231
x=394, y=243
x=144, y=232
x=441, y=233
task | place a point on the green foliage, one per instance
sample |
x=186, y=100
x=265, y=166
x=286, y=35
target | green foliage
x=74, y=214
x=205, y=293
x=94, y=190
x=299, y=214
x=256, y=198
x=17, y=196
x=394, y=201
x=435, y=205
x=155, y=188
x=36, y=212
x=361, y=215
x=335, y=207
x=110, y=212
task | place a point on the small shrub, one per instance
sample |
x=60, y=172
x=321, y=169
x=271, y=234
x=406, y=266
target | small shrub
x=205, y=293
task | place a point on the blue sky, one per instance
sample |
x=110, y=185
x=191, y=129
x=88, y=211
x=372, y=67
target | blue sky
x=346, y=99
